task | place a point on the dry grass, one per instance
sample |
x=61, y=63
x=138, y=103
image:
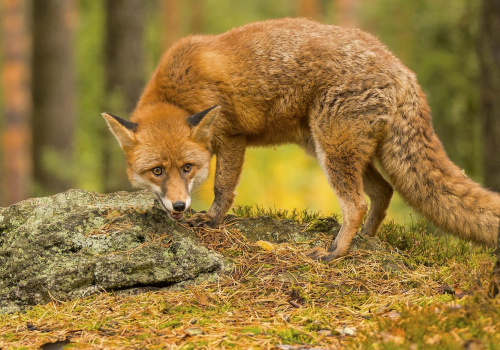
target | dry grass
x=280, y=297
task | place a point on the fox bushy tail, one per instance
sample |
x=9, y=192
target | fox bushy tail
x=419, y=169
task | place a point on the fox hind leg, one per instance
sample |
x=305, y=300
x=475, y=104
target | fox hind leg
x=380, y=193
x=344, y=157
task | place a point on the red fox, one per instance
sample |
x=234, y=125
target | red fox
x=338, y=93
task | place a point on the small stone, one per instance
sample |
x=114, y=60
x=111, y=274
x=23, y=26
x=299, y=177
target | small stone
x=194, y=331
x=351, y=331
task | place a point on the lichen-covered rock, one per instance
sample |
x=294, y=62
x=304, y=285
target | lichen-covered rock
x=76, y=243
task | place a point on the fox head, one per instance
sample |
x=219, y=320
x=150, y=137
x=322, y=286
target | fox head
x=167, y=151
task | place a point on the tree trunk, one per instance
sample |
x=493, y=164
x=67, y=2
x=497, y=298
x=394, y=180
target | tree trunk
x=495, y=279
x=124, y=69
x=171, y=22
x=197, y=25
x=16, y=131
x=124, y=49
x=54, y=94
x=347, y=13
x=489, y=57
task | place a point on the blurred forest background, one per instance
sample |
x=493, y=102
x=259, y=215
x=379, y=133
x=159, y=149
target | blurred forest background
x=63, y=62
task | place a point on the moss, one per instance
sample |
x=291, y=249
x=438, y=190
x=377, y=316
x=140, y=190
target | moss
x=438, y=326
x=272, y=230
x=325, y=224
x=170, y=324
x=425, y=248
x=298, y=294
x=292, y=336
x=252, y=330
x=295, y=215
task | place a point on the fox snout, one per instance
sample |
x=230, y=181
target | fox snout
x=175, y=209
x=179, y=206
x=178, y=211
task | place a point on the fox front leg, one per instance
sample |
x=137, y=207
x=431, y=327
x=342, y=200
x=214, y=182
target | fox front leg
x=230, y=153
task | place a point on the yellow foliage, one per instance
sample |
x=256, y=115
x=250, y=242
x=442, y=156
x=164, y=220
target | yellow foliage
x=265, y=245
x=285, y=177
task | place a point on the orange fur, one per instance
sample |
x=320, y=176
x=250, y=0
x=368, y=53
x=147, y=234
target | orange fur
x=338, y=93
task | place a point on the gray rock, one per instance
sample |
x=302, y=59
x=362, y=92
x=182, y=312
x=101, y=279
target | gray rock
x=77, y=243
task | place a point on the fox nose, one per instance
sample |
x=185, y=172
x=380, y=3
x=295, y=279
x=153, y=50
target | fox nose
x=179, y=206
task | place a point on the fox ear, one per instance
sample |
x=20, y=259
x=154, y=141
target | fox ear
x=202, y=124
x=122, y=129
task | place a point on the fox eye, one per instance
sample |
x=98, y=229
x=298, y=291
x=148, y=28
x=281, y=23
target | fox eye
x=157, y=171
x=186, y=168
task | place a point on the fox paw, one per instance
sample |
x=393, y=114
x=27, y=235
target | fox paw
x=321, y=254
x=199, y=220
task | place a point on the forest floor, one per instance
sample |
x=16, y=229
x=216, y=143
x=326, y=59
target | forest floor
x=419, y=292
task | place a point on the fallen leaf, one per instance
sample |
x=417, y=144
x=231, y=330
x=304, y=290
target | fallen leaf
x=435, y=339
x=265, y=245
